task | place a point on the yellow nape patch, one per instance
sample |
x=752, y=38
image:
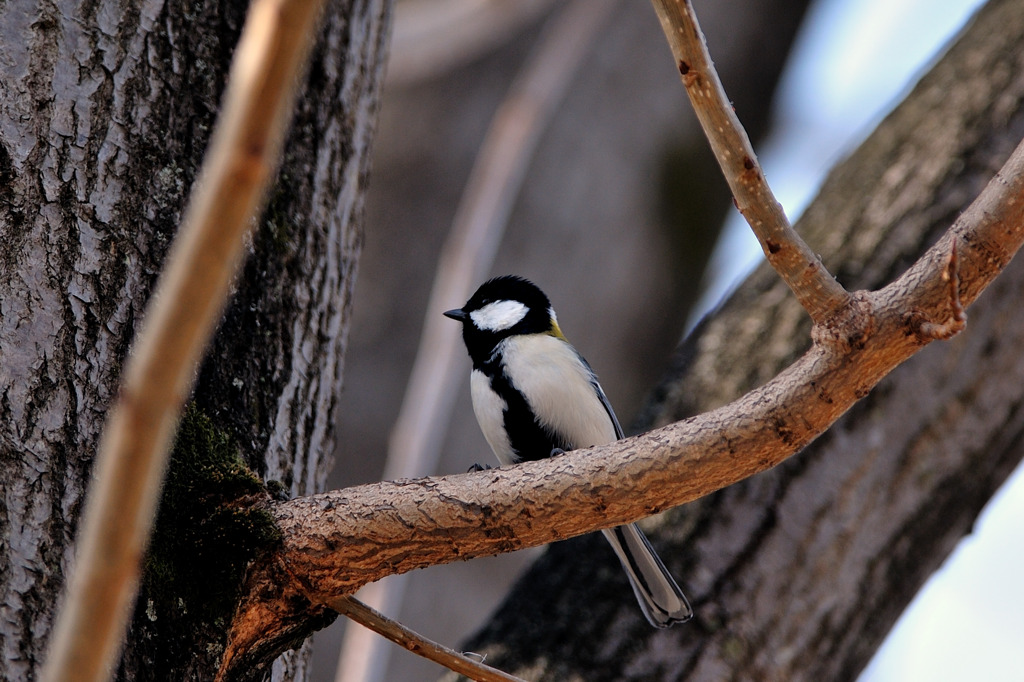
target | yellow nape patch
x=556, y=331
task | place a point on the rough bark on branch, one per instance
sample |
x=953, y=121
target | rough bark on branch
x=339, y=540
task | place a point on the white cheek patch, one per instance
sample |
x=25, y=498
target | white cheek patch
x=498, y=316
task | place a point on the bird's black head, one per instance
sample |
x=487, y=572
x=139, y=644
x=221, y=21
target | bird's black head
x=502, y=307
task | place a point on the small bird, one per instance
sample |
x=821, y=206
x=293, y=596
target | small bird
x=535, y=396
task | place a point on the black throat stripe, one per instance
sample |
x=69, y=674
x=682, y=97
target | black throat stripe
x=528, y=438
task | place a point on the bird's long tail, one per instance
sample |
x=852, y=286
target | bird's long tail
x=660, y=598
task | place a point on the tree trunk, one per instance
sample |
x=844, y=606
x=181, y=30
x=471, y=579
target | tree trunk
x=799, y=573
x=105, y=112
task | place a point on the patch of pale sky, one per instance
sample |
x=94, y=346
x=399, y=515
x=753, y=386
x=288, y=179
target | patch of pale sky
x=967, y=622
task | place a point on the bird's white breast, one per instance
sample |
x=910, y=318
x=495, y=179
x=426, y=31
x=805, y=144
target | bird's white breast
x=557, y=385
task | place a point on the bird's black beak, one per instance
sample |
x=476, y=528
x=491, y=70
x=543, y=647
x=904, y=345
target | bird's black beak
x=457, y=314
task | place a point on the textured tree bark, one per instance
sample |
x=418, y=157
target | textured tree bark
x=798, y=573
x=105, y=111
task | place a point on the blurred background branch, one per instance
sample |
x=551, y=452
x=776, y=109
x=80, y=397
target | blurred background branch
x=433, y=37
x=468, y=254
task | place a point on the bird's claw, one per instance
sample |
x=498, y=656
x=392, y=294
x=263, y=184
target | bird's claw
x=478, y=467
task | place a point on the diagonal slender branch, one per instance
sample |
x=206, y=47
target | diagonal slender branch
x=179, y=321
x=818, y=292
x=417, y=644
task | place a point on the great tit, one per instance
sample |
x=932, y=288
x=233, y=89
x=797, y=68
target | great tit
x=535, y=396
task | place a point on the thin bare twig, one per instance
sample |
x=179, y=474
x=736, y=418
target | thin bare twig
x=179, y=321
x=468, y=254
x=818, y=292
x=416, y=643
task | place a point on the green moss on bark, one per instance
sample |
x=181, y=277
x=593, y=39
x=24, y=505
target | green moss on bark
x=212, y=522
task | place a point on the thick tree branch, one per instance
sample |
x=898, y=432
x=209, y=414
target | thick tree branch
x=817, y=290
x=337, y=541
x=341, y=539
x=179, y=322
